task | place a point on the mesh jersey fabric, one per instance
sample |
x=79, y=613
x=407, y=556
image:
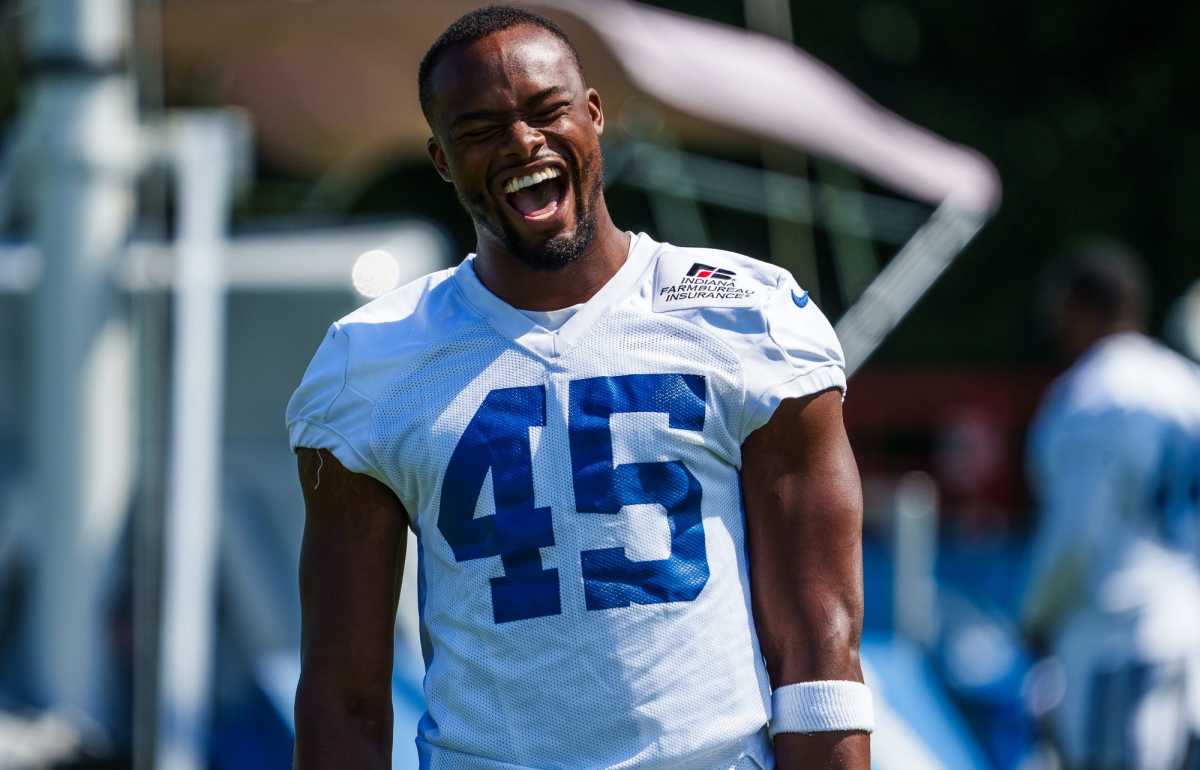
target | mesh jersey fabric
x=584, y=591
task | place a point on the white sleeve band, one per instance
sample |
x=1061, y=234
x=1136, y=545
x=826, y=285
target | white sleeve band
x=822, y=707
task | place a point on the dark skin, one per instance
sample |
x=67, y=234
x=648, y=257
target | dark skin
x=351, y=562
x=1078, y=326
x=804, y=526
x=506, y=104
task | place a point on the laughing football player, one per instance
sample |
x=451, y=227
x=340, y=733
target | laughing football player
x=638, y=515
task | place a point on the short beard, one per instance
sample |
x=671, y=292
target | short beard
x=559, y=251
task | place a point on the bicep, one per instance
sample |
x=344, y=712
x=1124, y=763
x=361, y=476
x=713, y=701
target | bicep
x=804, y=527
x=351, y=561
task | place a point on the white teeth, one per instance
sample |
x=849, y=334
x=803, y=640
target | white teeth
x=529, y=180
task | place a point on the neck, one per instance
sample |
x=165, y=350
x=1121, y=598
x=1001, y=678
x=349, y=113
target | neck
x=521, y=286
x=1085, y=341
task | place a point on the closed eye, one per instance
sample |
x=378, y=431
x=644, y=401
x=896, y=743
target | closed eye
x=551, y=114
x=478, y=133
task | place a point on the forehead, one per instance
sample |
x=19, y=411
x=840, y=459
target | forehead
x=500, y=71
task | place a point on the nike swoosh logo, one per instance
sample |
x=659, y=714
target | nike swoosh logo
x=800, y=300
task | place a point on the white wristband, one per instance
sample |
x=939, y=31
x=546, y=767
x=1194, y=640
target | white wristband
x=821, y=707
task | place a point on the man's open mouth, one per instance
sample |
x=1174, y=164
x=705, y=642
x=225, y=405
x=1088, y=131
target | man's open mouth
x=537, y=196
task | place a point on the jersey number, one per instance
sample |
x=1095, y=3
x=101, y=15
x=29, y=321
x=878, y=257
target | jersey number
x=497, y=440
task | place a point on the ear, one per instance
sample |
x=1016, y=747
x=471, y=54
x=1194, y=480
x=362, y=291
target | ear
x=438, y=156
x=596, y=110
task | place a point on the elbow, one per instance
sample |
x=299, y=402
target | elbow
x=821, y=642
x=332, y=719
x=835, y=638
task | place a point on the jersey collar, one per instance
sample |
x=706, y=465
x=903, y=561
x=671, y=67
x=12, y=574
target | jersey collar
x=512, y=324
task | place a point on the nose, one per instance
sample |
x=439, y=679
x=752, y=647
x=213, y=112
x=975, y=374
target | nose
x=524, y=141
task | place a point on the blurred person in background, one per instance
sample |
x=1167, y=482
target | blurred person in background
x=1183, y=323
x=629, y=400
x=1114, y=458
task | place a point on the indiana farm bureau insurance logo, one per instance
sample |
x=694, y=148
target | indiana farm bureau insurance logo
x=705, y=282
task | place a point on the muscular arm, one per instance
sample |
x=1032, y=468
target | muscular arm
x=804, y=524
x=351, y=561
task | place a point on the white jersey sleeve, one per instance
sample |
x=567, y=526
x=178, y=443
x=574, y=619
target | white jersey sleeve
x=785, y=345
x=800, y=355
x=327, y=412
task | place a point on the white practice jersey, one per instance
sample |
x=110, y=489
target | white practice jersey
x=1115, y=457
x=583, y=585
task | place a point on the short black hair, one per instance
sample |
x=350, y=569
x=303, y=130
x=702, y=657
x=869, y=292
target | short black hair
x=1103, y=275
x=476, y=25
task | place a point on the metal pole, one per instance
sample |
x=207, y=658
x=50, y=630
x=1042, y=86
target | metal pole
x=204, y=171
x=905, y=280
x=151, y=325
x=82, y=171
x=915, y=587
x=792, y=243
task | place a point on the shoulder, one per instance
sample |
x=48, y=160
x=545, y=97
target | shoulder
x=359, y=351
x=332, y=407
x=1130, y=373
x=754, y=306
x=1128, y=386
x=689, y=277
x=403, y=323
x=784, y=344
x=426, y=304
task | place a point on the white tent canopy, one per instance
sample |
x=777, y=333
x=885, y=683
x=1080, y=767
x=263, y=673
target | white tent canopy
x=768, y=88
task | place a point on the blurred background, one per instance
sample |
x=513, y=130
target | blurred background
x=191, y=192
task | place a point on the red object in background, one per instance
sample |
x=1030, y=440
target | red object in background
x=965, y=426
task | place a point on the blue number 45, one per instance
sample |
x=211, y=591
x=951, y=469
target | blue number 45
x=497, y=440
